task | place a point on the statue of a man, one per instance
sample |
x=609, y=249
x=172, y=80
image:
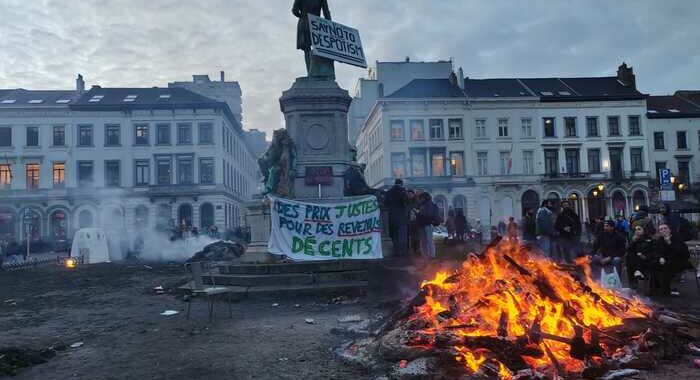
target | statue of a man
x=316, y=67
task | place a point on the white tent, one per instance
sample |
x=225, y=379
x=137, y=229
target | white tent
x=91, y=244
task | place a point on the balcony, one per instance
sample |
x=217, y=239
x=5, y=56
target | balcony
x=174, y=190
x=584, y=176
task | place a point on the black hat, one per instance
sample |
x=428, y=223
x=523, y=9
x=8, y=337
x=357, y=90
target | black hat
x=610, y=223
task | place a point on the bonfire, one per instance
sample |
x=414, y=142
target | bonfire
x=509, y=313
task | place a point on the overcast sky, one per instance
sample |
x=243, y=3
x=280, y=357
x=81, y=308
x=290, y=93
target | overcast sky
x=43, y=44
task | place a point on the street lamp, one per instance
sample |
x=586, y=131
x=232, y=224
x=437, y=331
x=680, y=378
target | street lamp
x=601, y=187
x=681, y=186
x=595, y=193
x=673, y=180
x=573, y=196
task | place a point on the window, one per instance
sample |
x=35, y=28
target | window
x=32, y=136
x=528, y=162
x=85, y=173
x=59, y=174
x=454, y=127
x=572, y=161
x=526, y=124
x=480, y=127
x=592, y=126
x=659, y=141
x=551, y=162
x=142, y=173
x=683, y=171
x=636, y=160
x=613, y=126
x=570, y=127
x=85, y=135
x=163, y=171
x=184, y=133
x=681, y=142
x=5, y=136
x=206, y=133
x=418, y=164
x=141, y=134
x=548, y=126
x=457, y=163
x=32, y=176
x=397, y=130
x=113, y=135
x=59, y=135
x=417, y=130
x=506, y=162
x=594, y=160
x=437, y=164
x=659, y=165
x=206, y=171
x=112, y=174
x=398, y=166
x=633, y=122
x=502, y=127
x=616, y=162
x=163, y=134
x=5, y=176
x=482, y=164
x=436, y=129
x=185, y=171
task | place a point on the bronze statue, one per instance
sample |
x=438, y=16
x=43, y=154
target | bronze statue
x=278, y=165
x=316, y=67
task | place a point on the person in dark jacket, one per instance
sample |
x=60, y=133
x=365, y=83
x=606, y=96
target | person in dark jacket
x=460, y=225
x=608, y=249
x=397, y=201
x=427, y=218
x=568, y=227
x=529, y=227
x=544, y=226
x=641, y=255
x=673, y=258
x=413, y=229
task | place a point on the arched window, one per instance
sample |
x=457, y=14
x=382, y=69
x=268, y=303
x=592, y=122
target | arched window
x=530, y=201
x=184, y=215
x=638, y=199
x=86, y=219
x=31, y=221
x=141, y=217
x=58, y=225
x=112, y=218
x=206, y=216
x=619, y=203
x=163, y=216
x=596, y=204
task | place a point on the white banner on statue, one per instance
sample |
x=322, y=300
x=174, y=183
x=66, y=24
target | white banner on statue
x=336, y=41
x=325, y=231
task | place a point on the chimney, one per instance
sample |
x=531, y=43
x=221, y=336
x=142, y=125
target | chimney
x=80, y=84
x=222, y=76
x=460, y=78
x=625, y=75
x=408, y=59
x=453, y=79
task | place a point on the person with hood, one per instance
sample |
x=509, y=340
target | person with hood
x=568, y=227
x=397, y=200
x=450, y=225
x=673, y=258
x=641, y=255
x=544, y=227
x=460, y=225
x=428, y=216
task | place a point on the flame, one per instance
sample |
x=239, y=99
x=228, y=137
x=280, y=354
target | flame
x=70, y=263
x=509, y=290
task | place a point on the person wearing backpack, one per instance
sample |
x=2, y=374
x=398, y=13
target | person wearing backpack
x=428, y=216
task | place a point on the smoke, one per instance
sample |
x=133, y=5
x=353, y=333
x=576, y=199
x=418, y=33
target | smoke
x=158, y=247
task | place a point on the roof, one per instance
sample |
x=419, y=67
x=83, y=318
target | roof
x=487, y=88
x=21, y=98
x=429, y=88
x=98, y=97
x=692, y=96
x=671, y=107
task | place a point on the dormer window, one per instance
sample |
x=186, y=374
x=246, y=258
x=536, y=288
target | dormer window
x=96, y=98
x=36, y=101
x=130, y=98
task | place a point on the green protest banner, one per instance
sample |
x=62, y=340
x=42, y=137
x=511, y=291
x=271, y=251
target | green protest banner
x=325, y=231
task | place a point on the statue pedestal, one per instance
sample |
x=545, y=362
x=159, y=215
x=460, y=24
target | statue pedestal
x=258, y=219
x=315, y=113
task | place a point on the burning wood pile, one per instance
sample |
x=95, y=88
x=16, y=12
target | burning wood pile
x=511, y=314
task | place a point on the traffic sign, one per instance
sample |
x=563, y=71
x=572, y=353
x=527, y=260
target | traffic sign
x=665, y=178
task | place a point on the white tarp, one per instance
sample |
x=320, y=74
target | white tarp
x=326, y=231
x=91, y=244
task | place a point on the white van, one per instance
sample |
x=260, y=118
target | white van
x=90, y=246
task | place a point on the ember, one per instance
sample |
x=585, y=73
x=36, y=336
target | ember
x=510, y=313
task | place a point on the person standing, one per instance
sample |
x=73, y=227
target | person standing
x=673, y=258
x=529, y=227
x=568, y=227
x=450, y=224
x=460, y=225
x=512, y=230
x=397, y=201
x=544, y=227
x=502, y=227
x=428, y=216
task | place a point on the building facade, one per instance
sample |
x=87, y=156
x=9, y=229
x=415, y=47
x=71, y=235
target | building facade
x=496, y=147
x=125, y=159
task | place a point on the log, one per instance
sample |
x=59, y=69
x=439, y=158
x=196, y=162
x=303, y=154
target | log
x=517, y=266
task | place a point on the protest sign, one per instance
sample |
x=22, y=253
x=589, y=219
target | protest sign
x=336, y=41
x=325, y=231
